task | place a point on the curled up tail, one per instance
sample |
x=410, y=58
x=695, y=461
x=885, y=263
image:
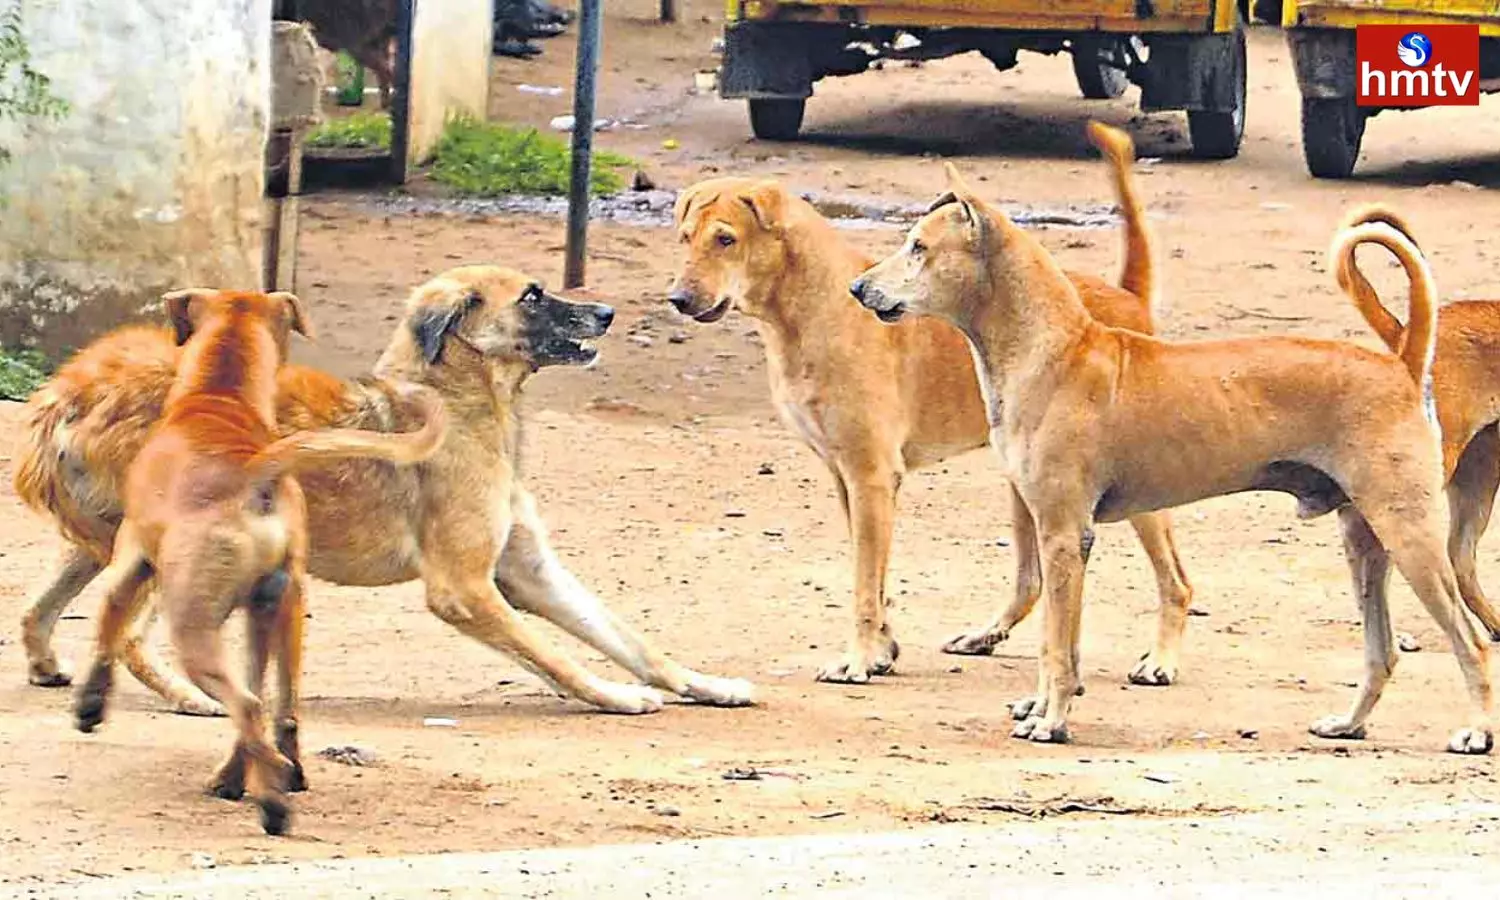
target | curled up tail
x=1137, y=271
x=1416, y=343
x=285, y=456
x=1359, y=289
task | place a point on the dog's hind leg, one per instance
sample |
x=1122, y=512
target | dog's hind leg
x=982, y=642
x=1159, y=667
x=532, y=577
x=1471, y=499
x=1370, y=567
x=287, y=637
x=869, y=499
x=1410, y=530
x=78, y=569
x=149, y=669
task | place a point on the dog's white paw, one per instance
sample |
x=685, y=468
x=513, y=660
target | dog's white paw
x=1338, y=728
x=859, y=666
x=976, y=643
x=200, y=705
x=712, y=691
x=1027, y=707
x=630, y=699
x=49, y=673
x=1154, y=670
x=1472, y=741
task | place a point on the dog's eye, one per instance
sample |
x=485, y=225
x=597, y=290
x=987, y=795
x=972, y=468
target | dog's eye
x=918, y=248
x=725, y=239
x=474, y=299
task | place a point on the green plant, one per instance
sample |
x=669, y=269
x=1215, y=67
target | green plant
x=358, y=131
x=485, y=159
x=25, y=93
x=21, y=373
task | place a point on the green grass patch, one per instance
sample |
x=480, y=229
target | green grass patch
x=484, y=159
x=21, y=373
x=360, y=131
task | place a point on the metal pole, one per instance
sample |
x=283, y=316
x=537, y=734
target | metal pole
x=589, y=28
x=668, y=11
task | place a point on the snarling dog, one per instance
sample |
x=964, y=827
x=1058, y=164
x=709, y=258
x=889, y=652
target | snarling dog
x=213, y=515
x=875, y=403
x=1094, y=424
x=463, y=521
x=1466, y=386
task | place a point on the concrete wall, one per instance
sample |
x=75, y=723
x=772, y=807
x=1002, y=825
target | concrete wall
x=153, y=181
x=450, y=68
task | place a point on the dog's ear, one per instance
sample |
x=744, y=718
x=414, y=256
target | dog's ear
x=690, y=199
x=968, y=201
x=296, y=316
x=184, y=309
x=766, y=201
x=432, y=322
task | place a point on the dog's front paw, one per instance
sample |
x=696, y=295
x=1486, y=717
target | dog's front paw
x=1043, y=731
x=198, y=704
x=93, y=697
x=720, y=691
x=862, y=663
x=976, y=643
x=228, y=783
x=1339, y=728
x=630, y=699
x=1154, y=670
x=1026, y=707
x=1472, y=741
x=47, y=672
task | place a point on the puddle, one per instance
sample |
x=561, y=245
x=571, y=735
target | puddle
x=653, y=209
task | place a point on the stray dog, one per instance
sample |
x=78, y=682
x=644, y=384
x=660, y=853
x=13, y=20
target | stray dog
x=362, y=28
x=213, y=515
x=1466, y=386
x=462, y=521
x=1094, y=424
x=875, y=402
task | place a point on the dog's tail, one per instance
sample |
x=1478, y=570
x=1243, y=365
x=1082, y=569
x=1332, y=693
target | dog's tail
x=1359, y=289
x=1416, y=343
x=286, y=455
x=1137, y=271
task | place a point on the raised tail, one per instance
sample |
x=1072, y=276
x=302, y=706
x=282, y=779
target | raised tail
x=1359, y=289
x=287, y=455
x=1416, y=343
x=1137, y=271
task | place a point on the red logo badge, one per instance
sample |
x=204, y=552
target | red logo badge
x=1417, y=65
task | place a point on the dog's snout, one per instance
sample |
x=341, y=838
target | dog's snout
x=680, y=298
x=605, y=315
x=858, y=289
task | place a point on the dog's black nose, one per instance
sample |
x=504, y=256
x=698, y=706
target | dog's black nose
x=680, y=298
x=858, y=289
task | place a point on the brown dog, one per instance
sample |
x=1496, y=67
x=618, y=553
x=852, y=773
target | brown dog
x=1466, y=386
x=213, y=516
x=875, y=402
x=463, y=521
x=1094, y=424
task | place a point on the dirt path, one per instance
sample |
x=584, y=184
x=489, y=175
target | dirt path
x=649, y=468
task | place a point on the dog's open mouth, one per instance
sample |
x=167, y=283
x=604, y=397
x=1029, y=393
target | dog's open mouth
x=713, y=314
x=891, y=315
x=561, y=351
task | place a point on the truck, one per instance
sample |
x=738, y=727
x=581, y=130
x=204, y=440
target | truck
x=1184, y=54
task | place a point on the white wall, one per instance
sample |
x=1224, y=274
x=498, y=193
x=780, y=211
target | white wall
x=153, y=180
x=450, y=68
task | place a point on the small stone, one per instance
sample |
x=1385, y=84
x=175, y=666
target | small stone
x=349, y=755
x=678, y=337
x=641, y=340
x=774, y=532
x=1160, y=777
x=734, y=514
x=666, y=810
x=203, y=860
x=955, y=670
x=640, y=181
x=1249, y=734
x=765, y=469
x=1408, y=643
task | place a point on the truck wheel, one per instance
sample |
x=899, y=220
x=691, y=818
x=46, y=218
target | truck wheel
x=1097, y=79
x=1217, y=135
x=1331, y=134
x=776, y=119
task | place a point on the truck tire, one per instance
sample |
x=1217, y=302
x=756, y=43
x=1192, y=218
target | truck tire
x=1331, y=134
x=1217, y=135
x=776, y=119
x=1097, y=79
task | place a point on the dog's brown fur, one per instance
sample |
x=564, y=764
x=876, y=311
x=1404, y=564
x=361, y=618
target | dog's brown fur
x=1466, y=387
x=1094, y=424
x=213, y=516
x=365, y=29
x=875, y=402
x=463, y=521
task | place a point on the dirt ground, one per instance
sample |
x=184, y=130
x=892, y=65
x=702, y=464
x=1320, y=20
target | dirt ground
x=650, y=471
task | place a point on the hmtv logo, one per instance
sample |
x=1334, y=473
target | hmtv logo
x=1417, y=65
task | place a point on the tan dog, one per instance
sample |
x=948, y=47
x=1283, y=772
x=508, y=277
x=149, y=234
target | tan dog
x=1093, y=424
x=463, y=521
x=213, y=516
x=1466, y=386
x=876, y=402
